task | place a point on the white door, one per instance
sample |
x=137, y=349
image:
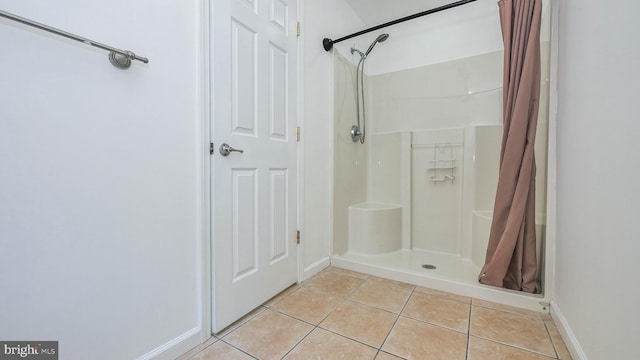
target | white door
x=254, y=192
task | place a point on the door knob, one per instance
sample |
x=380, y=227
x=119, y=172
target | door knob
x=226, y=149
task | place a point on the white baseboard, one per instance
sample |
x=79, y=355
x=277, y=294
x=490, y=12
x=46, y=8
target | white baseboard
x=316, y=267
x=175, y=347
x=573, y=345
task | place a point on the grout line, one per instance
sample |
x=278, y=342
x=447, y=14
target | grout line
x=239, y=323
x=298, y=287
x=315, y=326
x=530, y=316
x=295, y=318
x=346, y=298
x=287, y=315
x=281, y=313
x=355, y=288
x=550, y=338
x=407, y=301
x=469, y=330
x=237, y=348
x=388, y=353
x=446, y=297
x=350, y=338
x=433, y=324
x=389, y=333
x=344, y=272
x=331, y=312
x=397, y=318
x=515, y=347
x=299, y=342
x=356, y=340
x=370, y=306
x=201, y=350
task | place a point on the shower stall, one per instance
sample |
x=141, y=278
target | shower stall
x=414, y=202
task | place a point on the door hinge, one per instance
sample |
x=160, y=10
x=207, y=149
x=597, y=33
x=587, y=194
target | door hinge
x=298, y=133
x=211, y=151
x=298, y=237
x=298, y=28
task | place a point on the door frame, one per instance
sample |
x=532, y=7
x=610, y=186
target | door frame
x=203, y=157
x=206, y=54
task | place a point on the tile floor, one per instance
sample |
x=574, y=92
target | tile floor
x=340, y=314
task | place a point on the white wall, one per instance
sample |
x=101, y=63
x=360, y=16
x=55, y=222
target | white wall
x=464, y=31
x=100, y=215
x=598, y=200
x=333, y=19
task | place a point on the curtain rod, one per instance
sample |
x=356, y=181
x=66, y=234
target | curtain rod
x=119, y=58
x=328, y=43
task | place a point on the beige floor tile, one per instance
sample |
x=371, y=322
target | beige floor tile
x=348, y=272
x=433, y=325
x=308, y=304
x=412, y=339
x=506, y=308
x=556, y=339
x=198, y=348
x=359, y=322
x=511, y=329
x=399, y=284
x=384, y=356
x=239, y=322
x=438, y=311
x=481, y=349
x=321, y=344
x=274, y=300
x=334, y=283
x=382, y=295
x=269, y=335
x=447, y=295
x=220, y=350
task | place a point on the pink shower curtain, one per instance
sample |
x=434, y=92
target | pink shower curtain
x=511, y=255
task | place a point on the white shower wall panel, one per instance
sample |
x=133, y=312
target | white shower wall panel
x=385, y=168
x=350, y=158
x=486, y=163
x=450, y=94
x=437, y=190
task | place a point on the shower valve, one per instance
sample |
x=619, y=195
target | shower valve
x=356, y=134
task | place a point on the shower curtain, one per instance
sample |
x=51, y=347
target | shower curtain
x=511, y=254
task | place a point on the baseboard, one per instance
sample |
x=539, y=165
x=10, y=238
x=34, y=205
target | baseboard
x=316, y=267
x=573, y=345
x=175, y=347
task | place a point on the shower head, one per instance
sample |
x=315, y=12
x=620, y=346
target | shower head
x=380, y=38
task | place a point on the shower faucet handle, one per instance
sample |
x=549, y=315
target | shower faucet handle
x=356, y=133
x=226, y=149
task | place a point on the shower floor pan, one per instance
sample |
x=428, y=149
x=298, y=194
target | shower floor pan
x=452, y=274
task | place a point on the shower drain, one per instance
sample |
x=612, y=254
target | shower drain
x=429, y=266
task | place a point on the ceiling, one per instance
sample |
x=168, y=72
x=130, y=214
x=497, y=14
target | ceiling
x=376, y=12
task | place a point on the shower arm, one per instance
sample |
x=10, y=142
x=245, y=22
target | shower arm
x=362, y=55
